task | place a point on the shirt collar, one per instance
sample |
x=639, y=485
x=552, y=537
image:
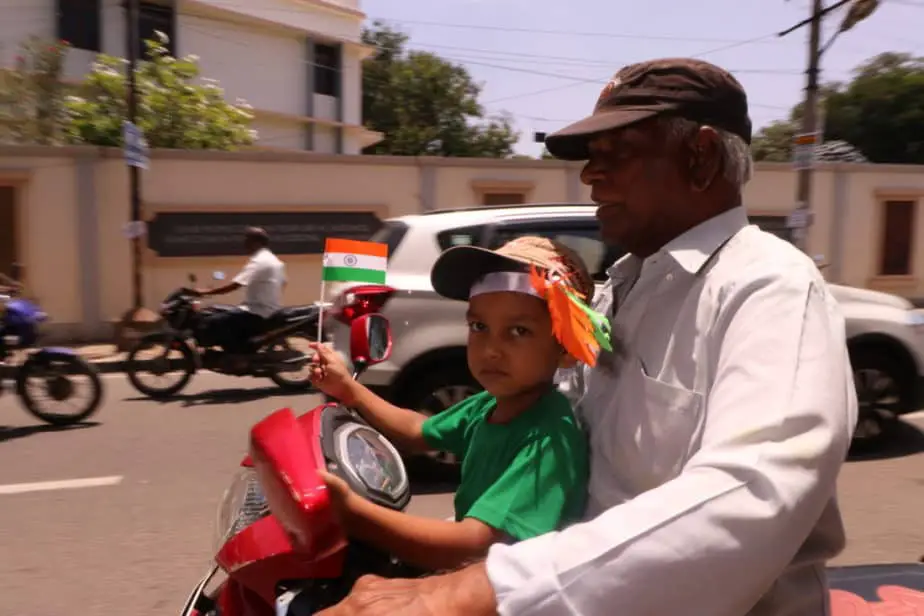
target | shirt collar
x=692, y=248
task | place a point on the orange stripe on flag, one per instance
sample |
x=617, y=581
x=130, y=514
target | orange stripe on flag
x=356, y=247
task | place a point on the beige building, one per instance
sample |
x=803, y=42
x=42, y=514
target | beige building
x=63, y=211
x=297, y=62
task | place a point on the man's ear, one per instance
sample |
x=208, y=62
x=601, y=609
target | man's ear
x=705, y=158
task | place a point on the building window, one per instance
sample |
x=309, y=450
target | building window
x=78, y=23
x=499, y=198
x=897, y=238
x=327, y=70
x=156, y=17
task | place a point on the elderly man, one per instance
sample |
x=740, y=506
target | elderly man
x=718, y=433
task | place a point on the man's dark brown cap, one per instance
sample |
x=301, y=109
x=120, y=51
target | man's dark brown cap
x=682, y=87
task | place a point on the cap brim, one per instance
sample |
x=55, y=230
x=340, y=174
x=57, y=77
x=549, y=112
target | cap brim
x=571, y=142
x=457, y=269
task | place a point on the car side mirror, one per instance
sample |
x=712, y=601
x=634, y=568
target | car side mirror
x=370, y=340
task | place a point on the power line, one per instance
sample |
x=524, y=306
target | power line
x=608, y=77
x=616, y=35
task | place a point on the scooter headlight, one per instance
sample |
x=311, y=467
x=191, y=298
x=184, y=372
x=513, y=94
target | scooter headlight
x=242, y=504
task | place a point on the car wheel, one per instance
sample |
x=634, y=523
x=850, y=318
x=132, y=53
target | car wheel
x=434, y=391
x=882, y=387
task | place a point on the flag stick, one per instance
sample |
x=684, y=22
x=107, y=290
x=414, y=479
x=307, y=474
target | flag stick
x=321, y=312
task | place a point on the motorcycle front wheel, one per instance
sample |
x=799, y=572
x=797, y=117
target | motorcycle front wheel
x=160, y=356
x=57, y=372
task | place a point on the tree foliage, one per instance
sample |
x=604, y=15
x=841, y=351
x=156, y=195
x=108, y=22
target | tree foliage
x=173, y=111
x=880, y=113
x=176, y=109
x=32, y=95
x=426, y=105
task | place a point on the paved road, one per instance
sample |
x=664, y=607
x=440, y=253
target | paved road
x=135, y=546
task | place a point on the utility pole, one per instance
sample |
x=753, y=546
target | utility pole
x=809, y=128
x=130, y=134
x=806, y=142
x=137, y=318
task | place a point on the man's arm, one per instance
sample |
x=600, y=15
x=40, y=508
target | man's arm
x=779, y=421
x=239, y=281
x=228, y=288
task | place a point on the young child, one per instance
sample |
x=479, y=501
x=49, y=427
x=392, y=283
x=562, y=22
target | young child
x=524, y=457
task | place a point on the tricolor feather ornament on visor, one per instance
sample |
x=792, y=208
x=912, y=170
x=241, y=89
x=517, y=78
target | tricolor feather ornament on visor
x=581, y=330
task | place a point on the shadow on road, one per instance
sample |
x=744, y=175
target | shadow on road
x=902, y=439
x=224, y=396
x=11, y=433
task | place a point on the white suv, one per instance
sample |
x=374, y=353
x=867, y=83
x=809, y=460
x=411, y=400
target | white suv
x=427, y=370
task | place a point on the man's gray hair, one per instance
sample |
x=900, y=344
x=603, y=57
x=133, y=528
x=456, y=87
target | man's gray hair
x=737, y=164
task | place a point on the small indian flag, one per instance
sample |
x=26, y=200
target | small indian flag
x=354, y=261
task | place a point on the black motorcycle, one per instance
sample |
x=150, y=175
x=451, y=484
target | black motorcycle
x=189, y=341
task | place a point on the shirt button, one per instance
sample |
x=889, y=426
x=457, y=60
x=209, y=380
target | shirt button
x=669, y=277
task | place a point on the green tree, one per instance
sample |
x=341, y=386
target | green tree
x=426, y=105
x=32, y=95
x=173, y=110
x=880, y=113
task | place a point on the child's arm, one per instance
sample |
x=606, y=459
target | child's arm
x=403, y=427
x=421, y=542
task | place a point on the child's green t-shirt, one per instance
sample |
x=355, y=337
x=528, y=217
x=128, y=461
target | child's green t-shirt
x=524, y=478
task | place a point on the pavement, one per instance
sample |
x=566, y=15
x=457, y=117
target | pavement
x=118, y=516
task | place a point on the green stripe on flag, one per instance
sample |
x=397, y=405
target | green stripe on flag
x=353, y=274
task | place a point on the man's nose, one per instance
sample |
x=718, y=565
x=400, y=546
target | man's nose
x=592, y=172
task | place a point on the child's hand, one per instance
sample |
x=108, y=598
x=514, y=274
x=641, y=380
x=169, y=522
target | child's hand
x=342, y=497
x=330, y=374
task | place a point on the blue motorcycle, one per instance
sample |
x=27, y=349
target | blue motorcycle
x=47, y=381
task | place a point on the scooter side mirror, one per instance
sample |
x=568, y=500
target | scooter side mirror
x=370, y=340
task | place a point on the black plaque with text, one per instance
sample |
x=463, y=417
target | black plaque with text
x=213, y=234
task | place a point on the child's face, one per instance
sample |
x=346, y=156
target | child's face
x=511, y=348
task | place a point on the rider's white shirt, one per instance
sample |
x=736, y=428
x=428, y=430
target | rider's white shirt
x=715, y=453
x=262, y=278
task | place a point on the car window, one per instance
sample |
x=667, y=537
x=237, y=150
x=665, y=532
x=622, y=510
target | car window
x=583, y=237
x=464, y=236
x=390, y=233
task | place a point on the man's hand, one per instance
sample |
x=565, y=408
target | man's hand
x=466, y=592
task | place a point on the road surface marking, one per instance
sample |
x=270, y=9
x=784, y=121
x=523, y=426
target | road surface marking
x=67, y=484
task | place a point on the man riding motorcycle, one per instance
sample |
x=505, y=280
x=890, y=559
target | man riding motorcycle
x=264, y=278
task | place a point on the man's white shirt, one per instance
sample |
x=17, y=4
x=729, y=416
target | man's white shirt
x=262, y=278
x=715, y=441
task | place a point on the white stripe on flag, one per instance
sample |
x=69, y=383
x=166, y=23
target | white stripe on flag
x=340, y=259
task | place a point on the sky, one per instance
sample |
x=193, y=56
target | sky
x=544, y=62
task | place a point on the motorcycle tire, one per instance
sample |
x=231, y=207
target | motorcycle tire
x=77, y=365
x=290, y=385
x=134, y=365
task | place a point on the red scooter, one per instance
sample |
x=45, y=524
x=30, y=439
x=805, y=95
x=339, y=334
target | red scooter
x=280, y=548
x=282, y=553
